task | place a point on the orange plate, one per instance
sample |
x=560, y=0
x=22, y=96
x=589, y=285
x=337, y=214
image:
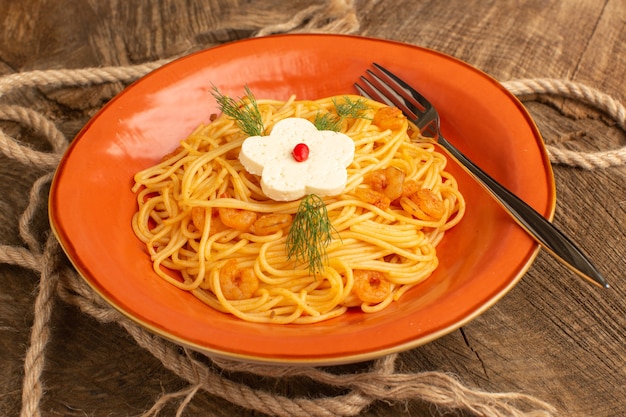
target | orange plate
x=91, y=202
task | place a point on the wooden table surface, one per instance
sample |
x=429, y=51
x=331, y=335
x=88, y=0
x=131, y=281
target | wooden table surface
x=553, y=336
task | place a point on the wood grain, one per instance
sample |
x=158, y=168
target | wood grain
x=552, y=336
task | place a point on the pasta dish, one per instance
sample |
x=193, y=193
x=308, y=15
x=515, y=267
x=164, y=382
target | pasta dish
x=211, y=228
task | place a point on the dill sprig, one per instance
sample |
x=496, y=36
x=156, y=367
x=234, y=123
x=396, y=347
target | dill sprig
x=349, y=109
x=310, y=233
x=245, y=112
x=327, y=121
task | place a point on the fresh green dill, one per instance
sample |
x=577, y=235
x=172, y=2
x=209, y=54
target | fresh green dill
x=245, y=112
x=310, y=234
x=349, y=109
x=327, y=121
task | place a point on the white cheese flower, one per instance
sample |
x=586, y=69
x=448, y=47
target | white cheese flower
x=283, y=178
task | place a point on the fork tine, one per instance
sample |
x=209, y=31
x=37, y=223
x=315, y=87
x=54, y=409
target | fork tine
x=402, y=86
x=368, y=90
x=362, y=92
x=389, y=97
x=428, y=122
x=395, y=92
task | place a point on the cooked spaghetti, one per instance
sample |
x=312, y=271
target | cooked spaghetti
x=209, y=228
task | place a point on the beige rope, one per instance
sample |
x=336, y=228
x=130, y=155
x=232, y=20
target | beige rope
x=27, y=156
x=34, y=204
x=14, y=255
x=381, y=382
x=338, y=16
x=40, y=332
x=34, y=120
x=585, y=94
x=75, y=77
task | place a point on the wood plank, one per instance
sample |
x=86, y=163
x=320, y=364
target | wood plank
x=552, y=336
x=602, y=63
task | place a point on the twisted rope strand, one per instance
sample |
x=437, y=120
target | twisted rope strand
x=167, y=397
x=32, y=391
x=25, y=155
x=585, y=94
x=587, y=160
x=291, y=24
x=197, y=373
x=340, y=17
x=13, y=255
x=381, y=383
x=34, y=202
x=570, y=89
x=76, y=77
x=74, y=290
x=34, y=120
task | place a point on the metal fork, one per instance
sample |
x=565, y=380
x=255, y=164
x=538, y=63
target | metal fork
x=384, y=86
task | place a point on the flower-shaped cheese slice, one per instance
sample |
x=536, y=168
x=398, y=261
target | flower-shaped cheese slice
x=285, y=179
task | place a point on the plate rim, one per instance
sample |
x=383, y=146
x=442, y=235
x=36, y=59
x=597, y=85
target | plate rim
x=320, y=360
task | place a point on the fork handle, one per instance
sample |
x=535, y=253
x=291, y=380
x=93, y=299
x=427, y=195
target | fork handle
x=544, y=232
